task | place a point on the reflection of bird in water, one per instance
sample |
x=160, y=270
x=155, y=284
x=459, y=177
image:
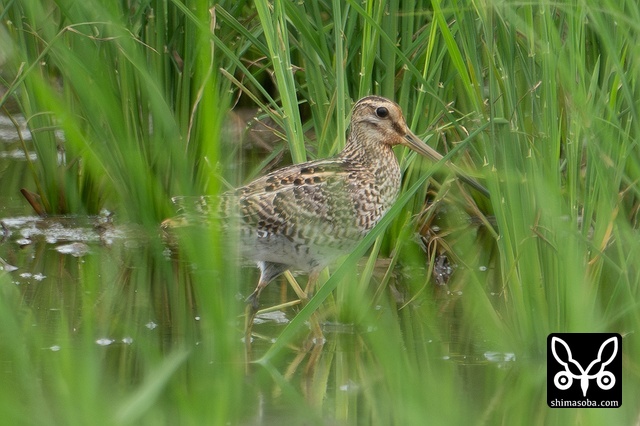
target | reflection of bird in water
x=304, y=216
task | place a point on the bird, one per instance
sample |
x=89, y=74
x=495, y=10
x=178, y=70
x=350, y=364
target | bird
x=305, y=216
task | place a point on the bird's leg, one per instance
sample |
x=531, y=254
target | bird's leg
x=268, y=271
x=254, y=298
x=311, y=283
x=253, y=303
x=316, y=330
x=302, y=296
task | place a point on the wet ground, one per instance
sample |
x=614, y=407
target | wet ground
x=131, y=274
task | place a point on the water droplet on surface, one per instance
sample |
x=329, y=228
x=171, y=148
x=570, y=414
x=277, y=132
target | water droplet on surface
x=279, y=317
x=499, y=357
x=319, y=340
x=350, y=386
x=8, y=268
x=74, y=249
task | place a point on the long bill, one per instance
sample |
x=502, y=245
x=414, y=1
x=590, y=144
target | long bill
x=416, y=144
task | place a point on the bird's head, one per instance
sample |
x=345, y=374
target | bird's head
x=377, y=121
x=380, y=120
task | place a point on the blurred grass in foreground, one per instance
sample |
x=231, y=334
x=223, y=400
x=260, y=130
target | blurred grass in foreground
x=141, y=92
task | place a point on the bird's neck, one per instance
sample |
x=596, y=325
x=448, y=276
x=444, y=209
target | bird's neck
x=367, y=149
x=378, y=161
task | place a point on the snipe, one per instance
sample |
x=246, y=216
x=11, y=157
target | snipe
x=305, y=216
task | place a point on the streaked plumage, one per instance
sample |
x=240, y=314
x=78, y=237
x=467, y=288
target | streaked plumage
x=304, y=216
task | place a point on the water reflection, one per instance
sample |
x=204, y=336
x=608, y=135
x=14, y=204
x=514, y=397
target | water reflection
x=10, y=133
x=124, y=297
x=79, y=272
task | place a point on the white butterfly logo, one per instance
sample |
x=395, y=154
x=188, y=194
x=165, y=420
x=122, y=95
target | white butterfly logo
x=564, y=379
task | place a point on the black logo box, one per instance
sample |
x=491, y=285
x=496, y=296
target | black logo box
x=584, y=370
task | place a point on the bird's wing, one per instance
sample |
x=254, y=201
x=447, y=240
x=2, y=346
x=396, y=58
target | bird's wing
x=312, y=199
x=298, y=201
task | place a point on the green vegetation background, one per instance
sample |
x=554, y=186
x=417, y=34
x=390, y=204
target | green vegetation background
x=544, y=96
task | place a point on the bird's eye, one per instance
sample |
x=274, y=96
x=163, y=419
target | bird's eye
x=382, y=112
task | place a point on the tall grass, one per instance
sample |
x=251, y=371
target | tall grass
x=539, y=100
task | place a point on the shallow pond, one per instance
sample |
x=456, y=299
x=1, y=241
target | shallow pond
x=148, y=327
